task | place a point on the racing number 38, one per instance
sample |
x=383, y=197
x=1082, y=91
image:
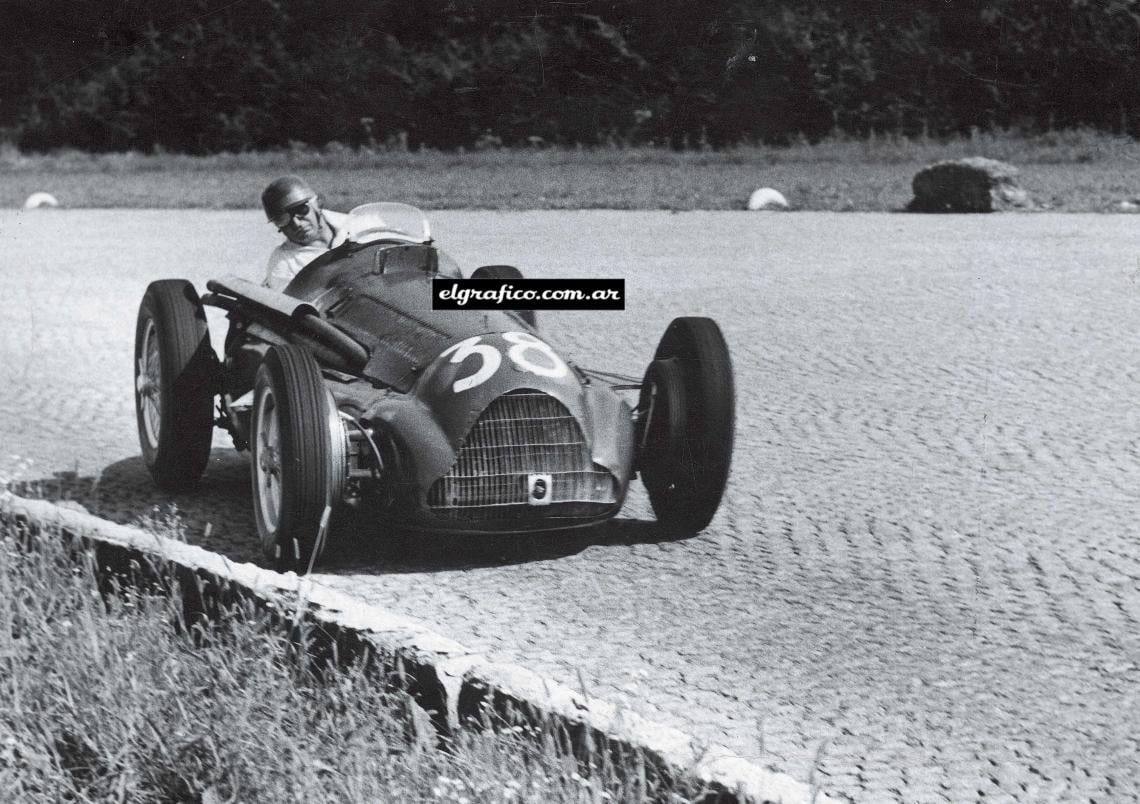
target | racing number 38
x=526, y=352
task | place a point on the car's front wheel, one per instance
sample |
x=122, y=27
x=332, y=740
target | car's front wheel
x=298, y=450
x=174, y=383
x=686, y=424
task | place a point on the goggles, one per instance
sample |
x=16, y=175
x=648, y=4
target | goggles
x=286, y=217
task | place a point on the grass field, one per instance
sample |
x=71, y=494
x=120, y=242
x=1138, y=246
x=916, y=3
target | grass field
x=102, y=700
x=1075, y=171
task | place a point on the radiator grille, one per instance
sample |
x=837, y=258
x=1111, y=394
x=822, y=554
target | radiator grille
x=520, y=434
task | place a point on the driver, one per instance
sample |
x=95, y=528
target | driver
x=292, y=206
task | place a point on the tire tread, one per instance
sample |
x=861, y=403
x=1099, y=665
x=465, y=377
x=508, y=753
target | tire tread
x=306, y=454
x=186, y=429
x=701, y=463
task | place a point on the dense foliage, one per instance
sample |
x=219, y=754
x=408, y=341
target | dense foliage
x=208, y=75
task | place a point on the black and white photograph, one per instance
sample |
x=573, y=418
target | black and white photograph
x=576, y=401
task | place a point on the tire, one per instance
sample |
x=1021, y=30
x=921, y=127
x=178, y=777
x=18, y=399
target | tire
x=496, y=272
x=685, y=452
x=662, y=428
x=175, y=371
x=507, y=272
x=298, y=453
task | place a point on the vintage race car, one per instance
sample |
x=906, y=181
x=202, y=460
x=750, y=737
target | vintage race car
x=347, y=387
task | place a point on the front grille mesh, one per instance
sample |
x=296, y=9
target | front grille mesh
x=520, y=434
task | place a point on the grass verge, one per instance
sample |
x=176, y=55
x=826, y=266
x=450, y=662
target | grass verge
x=102, y=700
x=1075, y=171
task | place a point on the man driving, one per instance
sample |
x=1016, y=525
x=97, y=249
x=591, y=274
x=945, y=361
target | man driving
x=291, y=205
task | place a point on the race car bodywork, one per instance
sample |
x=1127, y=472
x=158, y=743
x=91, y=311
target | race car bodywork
x=348, y=386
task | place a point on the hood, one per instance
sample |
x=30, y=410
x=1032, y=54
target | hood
x=456, y=388
x=471, y=373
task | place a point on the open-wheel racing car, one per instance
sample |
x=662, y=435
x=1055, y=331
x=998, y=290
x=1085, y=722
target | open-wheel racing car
x=348, y=387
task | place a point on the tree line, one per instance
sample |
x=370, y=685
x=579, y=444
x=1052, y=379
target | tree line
x=202, y=76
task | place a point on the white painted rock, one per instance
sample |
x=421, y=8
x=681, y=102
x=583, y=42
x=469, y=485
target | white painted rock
x=767, y=198
x=37, y=200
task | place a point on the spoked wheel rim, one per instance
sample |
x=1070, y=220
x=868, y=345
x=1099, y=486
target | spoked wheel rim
x=662, y=429
x=267, y=468
x=148, y=384
x=657, y=429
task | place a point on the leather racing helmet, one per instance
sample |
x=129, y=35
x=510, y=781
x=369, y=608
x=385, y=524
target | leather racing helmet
x=283, y=193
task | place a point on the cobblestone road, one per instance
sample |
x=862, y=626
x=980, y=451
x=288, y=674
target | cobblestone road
x=925, y=581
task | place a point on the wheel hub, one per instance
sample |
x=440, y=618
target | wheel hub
x=268, y=471
x=148, y=385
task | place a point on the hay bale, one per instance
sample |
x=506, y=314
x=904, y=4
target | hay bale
x=974, y=184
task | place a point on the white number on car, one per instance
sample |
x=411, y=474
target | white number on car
x=525, y=342
x=487, y=369
x=522, y=344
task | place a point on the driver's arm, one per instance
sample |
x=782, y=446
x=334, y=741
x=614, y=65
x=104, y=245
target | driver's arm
x=279, y=270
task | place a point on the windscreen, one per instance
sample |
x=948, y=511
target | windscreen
x=385, y=220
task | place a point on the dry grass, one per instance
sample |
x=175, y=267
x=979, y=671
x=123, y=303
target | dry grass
x=1075, y=171
x=102, y=700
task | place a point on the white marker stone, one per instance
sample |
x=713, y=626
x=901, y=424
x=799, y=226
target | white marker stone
x=767, y=198
x=37, y=200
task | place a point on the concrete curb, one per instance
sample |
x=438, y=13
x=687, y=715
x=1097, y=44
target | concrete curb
x=447, y=677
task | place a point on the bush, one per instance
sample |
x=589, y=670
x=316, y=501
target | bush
x=202, y=76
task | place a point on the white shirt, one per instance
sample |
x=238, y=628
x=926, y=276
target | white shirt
x=289, y=258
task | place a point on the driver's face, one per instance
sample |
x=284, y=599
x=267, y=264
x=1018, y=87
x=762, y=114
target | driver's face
x=304, y=224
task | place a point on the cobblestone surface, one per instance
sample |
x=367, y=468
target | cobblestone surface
x=924, y=583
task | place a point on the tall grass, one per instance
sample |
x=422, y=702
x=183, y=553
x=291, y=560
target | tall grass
x=1078, y=170
x=102, y=700
x=1073, y=146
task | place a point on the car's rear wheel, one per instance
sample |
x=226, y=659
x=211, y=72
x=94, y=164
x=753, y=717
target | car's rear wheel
x=686, y=424
x=299, y=464
x=175, y=370
x=508, y=273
